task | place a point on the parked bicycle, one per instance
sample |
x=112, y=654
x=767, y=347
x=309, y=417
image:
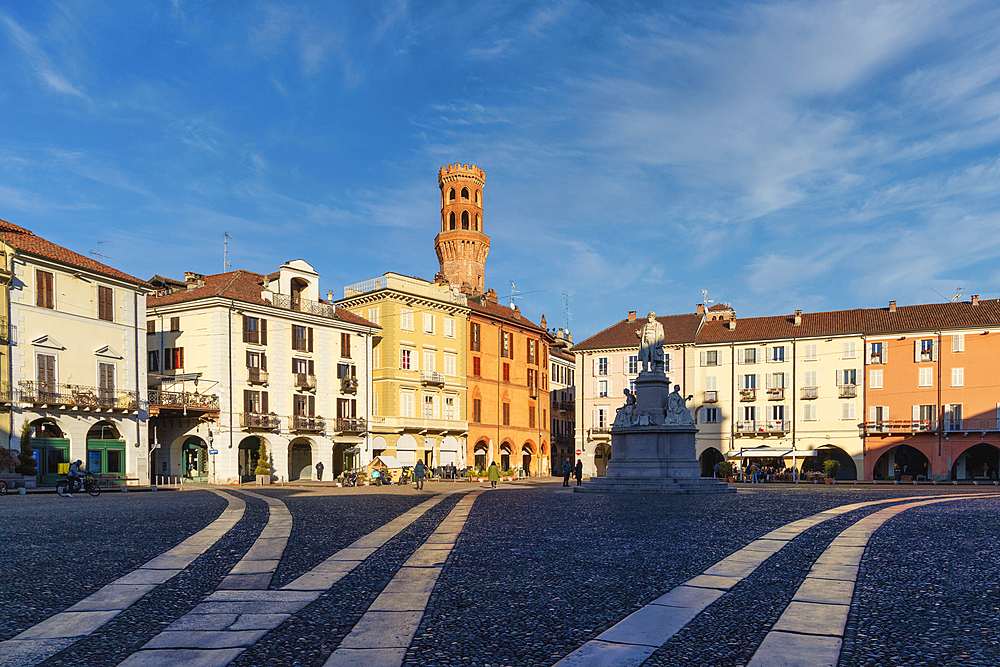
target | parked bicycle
x=3, y=488
x=86, y=483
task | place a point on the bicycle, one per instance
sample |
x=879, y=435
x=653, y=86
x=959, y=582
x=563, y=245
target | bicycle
x=3, y=488
x=87, y=483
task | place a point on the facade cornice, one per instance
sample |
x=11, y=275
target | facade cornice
x=263, y=310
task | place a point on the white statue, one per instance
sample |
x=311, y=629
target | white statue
x=651, y=344
x=676, y=411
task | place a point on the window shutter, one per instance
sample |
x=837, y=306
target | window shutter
x=916, y=351
x=263, y=331
x=769, y=381
x=704, y=358
x=840, y=378
x=246, y=329
x=595, y=365
x=180, y=357
x=868, y=353
x=934, y=350
x=916, y=413
x=263, y=402
x=885, y=352
x=310, y=339
x=312, y=406
x=757, y=384
x=740, y=356
x=263, y=362
x=42, y=376
x=312, y=367
x=871, y=414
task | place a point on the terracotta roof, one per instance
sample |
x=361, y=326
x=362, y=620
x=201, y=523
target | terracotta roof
x=921, y=317
x=496, y=311
x=27, y=242
x=676, y=329
x=720, y=306
x=243, y=286
x=561, y=353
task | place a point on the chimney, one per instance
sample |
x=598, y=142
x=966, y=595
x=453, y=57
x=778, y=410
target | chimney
x=892, y=306
x=701, y=309
x=798, y=317
x=631, y=316
x=975, y=299
x=545, y=324
x=731, y=325
x=569, y=338
x=329, y=296
x=193, y=280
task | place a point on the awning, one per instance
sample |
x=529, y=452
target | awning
x=771, y=452
x=387, y=461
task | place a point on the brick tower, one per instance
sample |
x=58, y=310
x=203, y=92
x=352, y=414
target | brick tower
x=462, y=246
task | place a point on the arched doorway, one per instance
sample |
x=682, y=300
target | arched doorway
x=50, y=450
x=194, y=455
x=846, y=472
x=248, y=455
x=480, y=455
x=708, y=459
x=902, y=462
x=298, y=288
x=602, y=454
x=527, y=454
x=300, y=459
x=105, y=450
x=505, y=457
x=980, y=461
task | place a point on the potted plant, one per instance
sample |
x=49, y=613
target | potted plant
x=8, y=459
x=831, y=467
x=27, y=467
x=726, y=471
x=263, y=469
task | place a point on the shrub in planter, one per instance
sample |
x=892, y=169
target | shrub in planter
x=263, y=469
x=725, y=470
x=830, y=467
x=8, y=459
x=26, y=463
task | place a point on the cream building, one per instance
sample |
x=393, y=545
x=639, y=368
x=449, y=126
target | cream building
x=419, y=368
x=239, y=358
x=75, y=366
x=562, y=398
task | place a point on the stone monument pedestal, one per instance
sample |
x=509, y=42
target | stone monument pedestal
x=653, y=446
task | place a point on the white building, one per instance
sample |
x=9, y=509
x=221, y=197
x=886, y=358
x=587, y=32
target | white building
x=239, y=358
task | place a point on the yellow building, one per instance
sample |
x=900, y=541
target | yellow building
x=419, y=381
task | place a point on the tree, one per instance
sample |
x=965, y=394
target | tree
x=831, y=467
x=263, y=463
x=8, y=459
x=27, y=466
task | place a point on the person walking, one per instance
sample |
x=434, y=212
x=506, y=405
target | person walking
x=419, y=471
x=567, y=469
x=579, y=473
x=319, y=471
x=493, y=474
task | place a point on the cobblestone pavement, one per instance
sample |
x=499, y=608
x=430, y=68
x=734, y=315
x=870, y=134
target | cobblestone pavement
x=528, y=574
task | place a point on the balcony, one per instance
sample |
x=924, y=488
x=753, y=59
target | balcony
x=810, y=393
x=351, y=425
x=848, y=391
x=77, y=397
x=763, y=427
x=563, y=406
x=980, y=424
x=778, y=426
x=925, y=355
x=563, y=439
x=748, y=394
x=349, y=385
x=307, y=424
x=383, y=424
x=776, y=394
x=407, y=285
x=600, y=432
x=711, y=397
x=877, y=359
x=748, y=426
x=305, y=381
x=532, y=391
x=175, y=400
x=256, y=376
x=903, y=426
x=259, y=420
x=301, y=305
x=431, y=377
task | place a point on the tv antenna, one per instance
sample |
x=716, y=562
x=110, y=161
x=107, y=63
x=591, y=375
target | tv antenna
x=704, y=293
x=512, y=293
x=566, y=313
x=959, y=295
x=98, y=254
x=225, y=252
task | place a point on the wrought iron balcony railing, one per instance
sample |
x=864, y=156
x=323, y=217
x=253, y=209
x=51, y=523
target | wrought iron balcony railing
x=303, y=423
x=351, y=425
x=77, y=396
x=260, y=420
x=748, y=394
x=257, y=376
x=349, y=385
x=303, y=305
x=848, y=391
x=565, y=406
x=711, y=396
x=776, y=394
x=431, y=377
x=186, y=399
x=809, y=393
x=305, y=381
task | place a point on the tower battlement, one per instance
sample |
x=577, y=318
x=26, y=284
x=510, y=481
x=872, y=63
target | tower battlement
x=454, y=172
x=462, y=245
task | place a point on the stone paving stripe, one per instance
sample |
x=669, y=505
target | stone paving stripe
x=688, y=596
x=247, y=581
x=651, y=626
x=258, y=621
x=250, y=607
x=384, y=625
x=596, y=653
x=264, y=596
x=729, y=572
x=810, y=630
x=204, y=622
x=205, y=639
x=83, y=618
x=182, y=658
x=254, y=566
x=264, y=555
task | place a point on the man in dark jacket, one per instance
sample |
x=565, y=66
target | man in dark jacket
x=419, y=471
x=579, y=473
x=566, y=470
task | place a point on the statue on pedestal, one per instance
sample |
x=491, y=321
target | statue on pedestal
x=624, y=416
x=651, y=344
x=676, y=411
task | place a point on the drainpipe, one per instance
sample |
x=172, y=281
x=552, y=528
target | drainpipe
x=10, y=359
x=229, y=316
x=138, y=401
x=940, y=405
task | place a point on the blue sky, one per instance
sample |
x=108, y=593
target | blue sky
x=781, y=155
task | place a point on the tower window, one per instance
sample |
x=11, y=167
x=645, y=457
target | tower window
x=465, y=219
x=465, y=194
x=451, y=195
x=477, y=197
x=478, y=228
x=451, y=220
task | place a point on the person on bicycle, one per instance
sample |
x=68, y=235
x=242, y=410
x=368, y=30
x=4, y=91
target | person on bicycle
x=74, y=475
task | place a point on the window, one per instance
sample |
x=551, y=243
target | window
x=428, y=407
x=532, y=348
x=449, y=364
x=957, y=377
x=373, y=315
x=449, y=407
x=809, y=379
x=255, y=402
x=878, y=413
x=809, y=412
x=710, y=415
x=848, y=376
x=746, y=355
x=406, y=403
x=346, y=371
x=465, y=194
x=958, y=342
x=465, y=219
x=633, y=365
x=477, y=368
x=477, y=410
x=809, y=352
x=347, y=408
x=506, y=372
x=749, y=381
x=406, y=360
x=302, y=366
x=601, y=418
x=150, y=326
x=926, y=377
x=302, y=338
x=750, y=415
x=429, y=323
x=449, y=327
x=256, y=360
x=710, y=358
x=175, y=324
x=602, y=388
x=712, y=383
x=775, y=380
x=850, y=351
x=531, y=377
x=406, y=319
x=506, y=414
x=505, y=346
x=847, y=410
x=173, y=358
x=875, y=379
x=531, y=416
x=631, y=386
x=666, y=362
x=925, y=349
x=602, y=366
x=778, y=353
x=776, y=414
x=345, y=345
x=46, y=373
x=44, y=289
x=105, y=303
x=474, y=336
x=153, y=357
x=451, y=194
x=953, y=417
x=254, y=330
x=429, y=361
